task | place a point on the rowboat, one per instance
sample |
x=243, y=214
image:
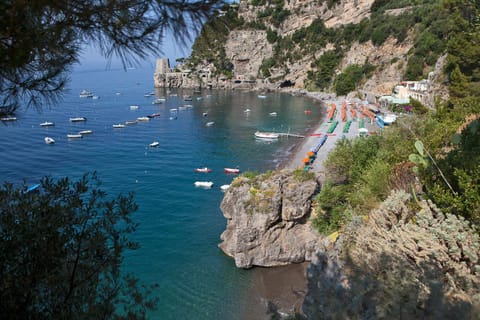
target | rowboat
x=266, y=135
x=85, y=132
x=49, y=140
x=205, y=170
x=78, y=119
x=203, y=184
x=231, y=170
x=47, y=124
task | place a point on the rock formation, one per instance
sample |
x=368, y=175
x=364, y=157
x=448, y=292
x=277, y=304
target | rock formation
x=267, y=220
x=402, y=262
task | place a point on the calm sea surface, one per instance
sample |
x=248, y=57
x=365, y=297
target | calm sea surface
x=180, y=225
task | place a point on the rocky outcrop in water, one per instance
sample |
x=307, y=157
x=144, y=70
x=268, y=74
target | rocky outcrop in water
x=267, y=219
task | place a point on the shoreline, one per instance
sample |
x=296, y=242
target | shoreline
x=286, y=286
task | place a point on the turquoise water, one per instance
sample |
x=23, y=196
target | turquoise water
x=180, y=225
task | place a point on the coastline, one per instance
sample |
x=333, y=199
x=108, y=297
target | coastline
x=286, y=286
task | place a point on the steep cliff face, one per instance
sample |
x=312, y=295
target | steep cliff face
x=267, y=220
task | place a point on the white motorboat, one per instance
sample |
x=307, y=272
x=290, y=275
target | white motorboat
x=85, y=132
x=143, y=119
x=205, y=114
x=261, y=96
x=86, y=94
x=78, y=119
x=209, y=124
x=134, y=107
x=231, y=170
x=273, y=114
x=203, y=184
x=224, y=187
x=118, y=125
x=158, y=101
x=74, y=136
x=130, y=122
x=204, y=170
x=154, y=144
x=266, y=135
x=47, y=124
x=8, y=119
x=49, y=140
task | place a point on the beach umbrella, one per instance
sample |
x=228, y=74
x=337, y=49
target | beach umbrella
x=306, y=160
x=310, y=153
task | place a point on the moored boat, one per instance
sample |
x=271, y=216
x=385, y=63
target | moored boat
x=49, y=140
x=203, y=184
x=134, y=107
x=129, y=122
x=74, y=136
x=86, y=94
x=78, y=119
x=231, y=170
x=209, y=124
x=85, y=132
x=118, y=125
x=8, y=119
x=266, y=135
x=273, y=114
x=47, y=124
x=224, y=187
x=204, y=170
x=143, y=119
x=154, y=144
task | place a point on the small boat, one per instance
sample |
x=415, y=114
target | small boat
x=173, y=118
x=130, y=122
x=231, y=170
x=224, y=187
x=85, y=132
x=273, y=114
x=261, y=96
x=307, y=111
x=173, y=110
x=209, y=124
x=154, y=144
x=149, y=94
x=78, y=119
x=49, y=140
x=199, y=98
x=247, y=110
x=47, y=124
x=95, y=97
x=205, y=114
x=74, y=136
x=134, y=107
x=204, y=170
x=32, y=188
x=158, y=101
x=8, y=119
x=203, y=184
x=86, y=94
x=118, y=125
x=187, y=98
x=266, y=135
x=143, y=119
x=154, y=115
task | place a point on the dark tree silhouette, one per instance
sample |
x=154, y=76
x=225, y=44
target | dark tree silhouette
x=40, y=40
x=61, y=250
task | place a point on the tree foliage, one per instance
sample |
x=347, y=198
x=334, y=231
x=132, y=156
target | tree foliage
x=41, y=40
x=61, y=250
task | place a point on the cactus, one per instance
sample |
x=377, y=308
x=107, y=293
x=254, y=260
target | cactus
x=419, y=159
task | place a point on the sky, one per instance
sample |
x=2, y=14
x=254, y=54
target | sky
x=92, y=59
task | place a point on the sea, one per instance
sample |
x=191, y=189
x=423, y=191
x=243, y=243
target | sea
x=179, y=224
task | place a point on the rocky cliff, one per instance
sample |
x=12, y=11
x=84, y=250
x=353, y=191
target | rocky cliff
x=402, y=262
x=267, y=219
